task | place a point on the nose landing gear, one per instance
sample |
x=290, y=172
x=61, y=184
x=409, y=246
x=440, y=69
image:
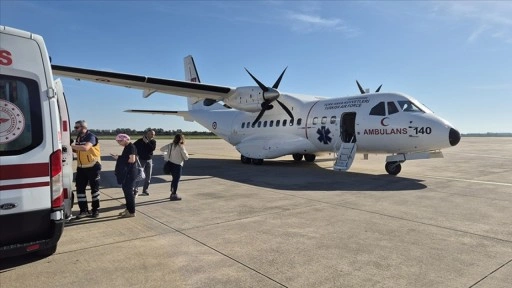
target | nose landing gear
x=393, y=168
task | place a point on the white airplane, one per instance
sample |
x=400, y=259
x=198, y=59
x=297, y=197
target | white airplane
x=391, y=123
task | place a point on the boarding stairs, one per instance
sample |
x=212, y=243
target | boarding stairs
x=345, y=156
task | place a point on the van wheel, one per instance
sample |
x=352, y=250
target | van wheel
x=47, y=251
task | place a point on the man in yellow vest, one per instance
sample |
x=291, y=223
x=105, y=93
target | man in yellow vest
x=88, y=169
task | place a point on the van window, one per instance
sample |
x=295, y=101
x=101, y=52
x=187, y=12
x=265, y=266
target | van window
x=21, y=107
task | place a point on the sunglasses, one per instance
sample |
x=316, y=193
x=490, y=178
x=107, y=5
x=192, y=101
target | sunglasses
x=77, y=127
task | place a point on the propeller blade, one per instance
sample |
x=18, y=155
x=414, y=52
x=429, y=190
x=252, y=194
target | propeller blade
x=258, y=117
x=358, y=85
x=276, y=85
x=285, y=109
x=263, y=87
x=378, y=89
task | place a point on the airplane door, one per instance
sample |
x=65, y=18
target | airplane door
x=348, y=127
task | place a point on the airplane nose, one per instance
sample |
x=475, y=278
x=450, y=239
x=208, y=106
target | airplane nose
x=454, y=137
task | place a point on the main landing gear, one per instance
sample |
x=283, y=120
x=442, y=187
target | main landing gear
x=307, y=157
x=393, y=168
x=247, y=160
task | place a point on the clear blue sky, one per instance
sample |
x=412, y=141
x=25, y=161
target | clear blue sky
x=455, y=57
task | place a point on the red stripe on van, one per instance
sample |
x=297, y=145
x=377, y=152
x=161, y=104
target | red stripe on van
x=20, y=171
x=24, y=185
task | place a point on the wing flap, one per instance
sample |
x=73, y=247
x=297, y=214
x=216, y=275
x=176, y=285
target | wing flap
x=169, y=86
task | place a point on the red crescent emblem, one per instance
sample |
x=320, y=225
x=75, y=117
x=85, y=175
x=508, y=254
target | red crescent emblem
x=382, y=121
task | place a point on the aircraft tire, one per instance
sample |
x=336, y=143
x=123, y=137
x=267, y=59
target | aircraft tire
x=310, y=157
x=393, y=168
x=257, y=161
x=245, y=160
x=297, y=156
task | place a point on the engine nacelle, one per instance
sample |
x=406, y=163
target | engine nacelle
x=246, y=99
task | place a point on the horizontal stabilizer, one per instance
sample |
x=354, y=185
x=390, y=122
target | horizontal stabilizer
x=184, y=114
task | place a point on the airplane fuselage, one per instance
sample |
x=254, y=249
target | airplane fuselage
x=378, y=123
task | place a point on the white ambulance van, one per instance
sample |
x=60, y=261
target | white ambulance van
x=35, y=156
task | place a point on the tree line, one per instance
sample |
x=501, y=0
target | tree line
x=158, y=131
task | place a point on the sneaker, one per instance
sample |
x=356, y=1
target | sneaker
x=95, y=214
x=83, y=214
x=175, y=197
x=145, y=193
x=135, y=194
x=126, y=214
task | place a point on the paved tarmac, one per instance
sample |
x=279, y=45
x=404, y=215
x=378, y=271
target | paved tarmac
x=440, y=223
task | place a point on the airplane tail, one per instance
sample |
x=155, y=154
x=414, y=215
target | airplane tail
x=191, y=75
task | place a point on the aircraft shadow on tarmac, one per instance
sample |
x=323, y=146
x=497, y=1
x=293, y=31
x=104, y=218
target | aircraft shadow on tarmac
x=289, y=175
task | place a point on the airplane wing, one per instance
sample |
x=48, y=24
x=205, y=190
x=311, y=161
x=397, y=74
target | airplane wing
x=148, y=84
x=184, y=114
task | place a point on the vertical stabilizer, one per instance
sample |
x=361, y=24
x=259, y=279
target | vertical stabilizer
x=192, y=76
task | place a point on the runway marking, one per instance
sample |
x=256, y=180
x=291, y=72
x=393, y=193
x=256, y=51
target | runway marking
x=479, y=155
x=472, y=181
x=509, y=261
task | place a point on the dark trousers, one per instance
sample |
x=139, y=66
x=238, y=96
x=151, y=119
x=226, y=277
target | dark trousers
x=88, y=176
x=127, y=186
x=176, y=175
x=148, y=170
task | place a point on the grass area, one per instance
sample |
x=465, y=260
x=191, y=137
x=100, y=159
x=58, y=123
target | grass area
x=169, y=137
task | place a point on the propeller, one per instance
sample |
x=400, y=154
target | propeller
x=362, y=90
x=270, y=94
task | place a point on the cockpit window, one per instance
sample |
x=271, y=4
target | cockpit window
x=408, y=106
x=392, y=108
x=379, y=109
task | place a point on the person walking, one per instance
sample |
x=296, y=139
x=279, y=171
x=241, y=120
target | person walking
x=126, y=172
x=176, y=154
x=145, y=147
x=87, y=149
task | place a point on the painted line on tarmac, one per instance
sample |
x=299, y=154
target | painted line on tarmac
x=472, y=181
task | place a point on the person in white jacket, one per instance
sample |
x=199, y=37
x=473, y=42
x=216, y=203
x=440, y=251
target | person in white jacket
x=176, y=154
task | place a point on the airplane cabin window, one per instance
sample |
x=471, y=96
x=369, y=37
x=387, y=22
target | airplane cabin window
x=265, y=123
x=243, y=125
x=408, y=106
x=392, y=108
x=271, y=123
x=259, y=124
x=284, y=122
x=315, y=120
x=291, y=122
x=248, y=124
x=278, y=122
x=333, y=120
x=324, y=120
x=299, y=121
x=379, y=109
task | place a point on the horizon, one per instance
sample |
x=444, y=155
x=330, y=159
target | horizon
x=453, y=56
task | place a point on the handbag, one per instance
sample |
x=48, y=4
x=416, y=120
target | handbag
x=168, y=165
x=140, y=172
